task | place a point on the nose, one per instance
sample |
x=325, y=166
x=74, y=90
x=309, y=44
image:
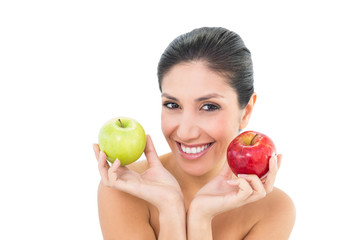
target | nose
x=187, y=129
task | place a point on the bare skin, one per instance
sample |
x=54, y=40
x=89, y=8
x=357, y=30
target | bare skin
x=193, y=194
x=121, y=214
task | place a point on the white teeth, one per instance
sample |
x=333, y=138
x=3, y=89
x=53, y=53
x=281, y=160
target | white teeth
x=183, y=148
x=194, y=150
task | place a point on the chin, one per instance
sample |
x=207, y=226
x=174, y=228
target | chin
x=194, y=169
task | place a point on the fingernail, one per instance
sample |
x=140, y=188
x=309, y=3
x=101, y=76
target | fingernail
x=101, y=154
x=117, y=162
x=232, y=181
x=275, y=159
x=242, y=175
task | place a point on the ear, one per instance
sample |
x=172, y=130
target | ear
x=247, y=111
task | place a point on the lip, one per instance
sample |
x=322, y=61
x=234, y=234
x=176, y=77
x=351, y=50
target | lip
x=193, y=156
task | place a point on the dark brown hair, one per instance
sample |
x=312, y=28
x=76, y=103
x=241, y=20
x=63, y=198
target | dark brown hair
x=222, y=50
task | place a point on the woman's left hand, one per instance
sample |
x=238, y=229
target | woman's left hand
x=223, y=193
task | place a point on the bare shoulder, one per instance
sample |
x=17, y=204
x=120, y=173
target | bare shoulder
x=122, y=215
x=277, y=217
x=279, y=201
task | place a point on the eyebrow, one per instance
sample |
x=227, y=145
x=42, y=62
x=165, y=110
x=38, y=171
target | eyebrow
x=203, y=98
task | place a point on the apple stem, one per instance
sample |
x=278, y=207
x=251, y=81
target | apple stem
x=251, y=142
x=121, y=124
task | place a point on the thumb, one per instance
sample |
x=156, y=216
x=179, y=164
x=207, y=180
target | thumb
x=150, y=152
x=96, y=150
x=279, y=159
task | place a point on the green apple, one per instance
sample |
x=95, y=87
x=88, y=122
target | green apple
x=122, y=138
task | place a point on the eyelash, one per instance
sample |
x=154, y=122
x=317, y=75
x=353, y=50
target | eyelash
x=167, y=105
x=210, y=106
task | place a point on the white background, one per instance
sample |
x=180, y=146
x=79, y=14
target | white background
x=66, y=67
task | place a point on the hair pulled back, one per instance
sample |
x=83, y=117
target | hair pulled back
x=222, y=51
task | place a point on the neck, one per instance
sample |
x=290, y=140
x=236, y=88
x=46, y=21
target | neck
x=191, y=184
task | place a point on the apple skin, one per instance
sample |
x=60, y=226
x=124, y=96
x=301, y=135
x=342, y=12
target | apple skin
x=250, y=152
x=123, y=140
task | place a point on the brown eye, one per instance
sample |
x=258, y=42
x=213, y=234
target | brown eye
x=210, y=107
x=171, y=105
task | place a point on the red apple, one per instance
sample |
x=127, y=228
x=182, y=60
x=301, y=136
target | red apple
x=249, y=153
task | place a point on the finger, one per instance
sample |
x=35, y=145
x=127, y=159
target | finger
x=115, y=173
x=273, y=164
x=245, y=190
x=279, y=159
x=273, y=169
x=96, y=150
x=150, y=152
x=263, y=178
x=256, y=185
x=103, y=168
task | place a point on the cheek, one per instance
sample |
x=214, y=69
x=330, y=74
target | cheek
x=164, y=126
x=167, y=124
x=222, y=127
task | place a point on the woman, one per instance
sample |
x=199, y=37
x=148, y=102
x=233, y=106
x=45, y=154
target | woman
x=206, y=80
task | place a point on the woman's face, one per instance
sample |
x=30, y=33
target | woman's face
x=200, y=116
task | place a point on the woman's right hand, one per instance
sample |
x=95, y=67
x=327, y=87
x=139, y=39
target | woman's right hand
x=156, y=185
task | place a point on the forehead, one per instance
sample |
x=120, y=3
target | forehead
x=195, y=77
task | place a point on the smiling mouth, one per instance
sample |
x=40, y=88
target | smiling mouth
x=195, y=151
